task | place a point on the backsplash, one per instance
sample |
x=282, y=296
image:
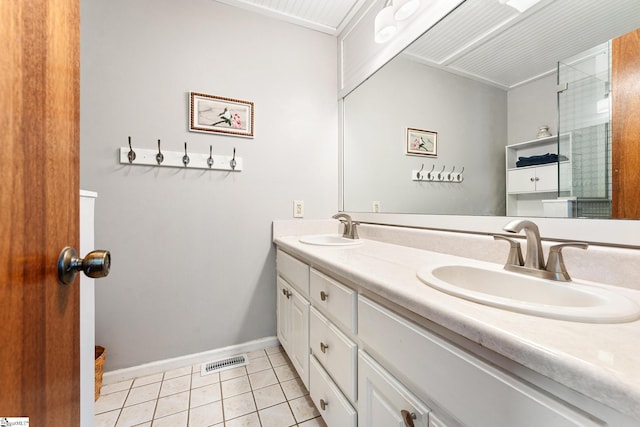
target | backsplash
x=610, y=265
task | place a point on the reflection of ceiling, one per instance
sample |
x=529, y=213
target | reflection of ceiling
x=328, y=16
x=495, y=43
x=484, y=39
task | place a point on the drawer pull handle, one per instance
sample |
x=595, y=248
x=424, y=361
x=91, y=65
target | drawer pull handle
x=323, y=404
x=324, y=295
x=323, y=347
x=408, y=417
x=286, y=293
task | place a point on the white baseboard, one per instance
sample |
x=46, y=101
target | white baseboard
x=190, y=359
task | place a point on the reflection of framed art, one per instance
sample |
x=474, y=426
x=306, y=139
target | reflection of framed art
x=208, y=113
x=422, y=142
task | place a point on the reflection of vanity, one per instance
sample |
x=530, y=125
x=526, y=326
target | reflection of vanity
x=528, y=187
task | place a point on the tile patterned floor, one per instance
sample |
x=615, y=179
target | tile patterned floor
x=265, y=393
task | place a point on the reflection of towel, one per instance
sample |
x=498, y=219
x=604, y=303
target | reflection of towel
x=539, y=160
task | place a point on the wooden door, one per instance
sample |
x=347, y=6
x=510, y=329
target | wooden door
x=625, y=122
x=39, y=199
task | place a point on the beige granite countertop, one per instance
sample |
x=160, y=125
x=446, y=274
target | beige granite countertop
x=601, y=361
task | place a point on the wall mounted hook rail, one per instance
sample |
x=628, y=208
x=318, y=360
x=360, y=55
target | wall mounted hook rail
x=210, y=161
x=451, y=176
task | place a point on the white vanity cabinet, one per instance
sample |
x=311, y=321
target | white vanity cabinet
x=292, y=308
x=533, y=179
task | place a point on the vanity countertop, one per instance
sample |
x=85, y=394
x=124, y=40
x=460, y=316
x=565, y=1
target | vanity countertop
x=601, y=361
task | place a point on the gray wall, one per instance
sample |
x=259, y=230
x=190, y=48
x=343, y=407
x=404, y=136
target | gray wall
x=193, y=264
x=530, y=106
x=470, y=118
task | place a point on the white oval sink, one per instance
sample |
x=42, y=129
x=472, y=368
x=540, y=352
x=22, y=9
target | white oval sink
x=575, y=301
x=329, y=240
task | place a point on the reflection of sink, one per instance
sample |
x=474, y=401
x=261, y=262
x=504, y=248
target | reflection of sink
x=574, y=301
x=329, y=240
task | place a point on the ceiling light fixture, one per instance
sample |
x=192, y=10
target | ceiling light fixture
x=384, y=26
x=404, y=8
x=520, y=5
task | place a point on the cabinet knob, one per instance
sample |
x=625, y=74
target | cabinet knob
x=324, y=295
x=323, y=404
x=323, y=347
x=408, y=417
x=532, y=179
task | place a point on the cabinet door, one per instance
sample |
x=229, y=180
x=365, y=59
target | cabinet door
x=547, y=178
x=521, y=180
x=383, y=400
x=282, y=312
x=299, y=336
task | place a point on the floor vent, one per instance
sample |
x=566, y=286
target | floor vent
x=223, y=364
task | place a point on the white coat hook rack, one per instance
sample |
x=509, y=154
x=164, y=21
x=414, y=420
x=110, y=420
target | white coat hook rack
x=441, y=176
x=179, y=159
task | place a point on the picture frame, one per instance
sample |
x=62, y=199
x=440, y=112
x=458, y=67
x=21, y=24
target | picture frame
x=216, y=114
x=421, y=142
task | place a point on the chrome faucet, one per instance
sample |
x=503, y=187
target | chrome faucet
x=350, y=226
x=533, y=263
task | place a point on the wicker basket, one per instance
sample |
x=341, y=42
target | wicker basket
x=101, y=352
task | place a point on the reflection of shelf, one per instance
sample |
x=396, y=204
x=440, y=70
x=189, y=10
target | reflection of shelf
x=174, y=159
x=527, y=186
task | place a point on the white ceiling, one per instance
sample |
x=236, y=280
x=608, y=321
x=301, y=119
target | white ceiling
x=483, y=39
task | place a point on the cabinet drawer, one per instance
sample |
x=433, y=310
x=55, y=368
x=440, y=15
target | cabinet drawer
x=336, y=410
x=336, y=352
x=463, y=385
x=293, y=271
x=382, y=399
x=335, y=300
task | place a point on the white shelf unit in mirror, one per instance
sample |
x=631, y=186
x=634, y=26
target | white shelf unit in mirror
x=528, y=188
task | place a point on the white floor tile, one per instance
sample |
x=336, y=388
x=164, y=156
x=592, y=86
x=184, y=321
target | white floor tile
x=136, y=414
x=316, y=422
x=199, y=381
x=143, y=394
x=172, y=404
x=175, y=385
x=233, y=373
x=111, y=388
x=249, y=420
x=206, y=415
x=155, y=378
x=111, y=401
x=256, y=354
x=294, y=388
x=235, y=386
x=278, y=359
x=203, y=395
x=262, y=379
x=237, y=406
x=269, y=396
x=175, y=420
x=303, y=409
x=277, y=416
x=273, y=350
x=106, y=419
x=285, y=372
x=258, y=364
x=179, y=372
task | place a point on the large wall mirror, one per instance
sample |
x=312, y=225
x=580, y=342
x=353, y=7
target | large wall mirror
x=488, y=77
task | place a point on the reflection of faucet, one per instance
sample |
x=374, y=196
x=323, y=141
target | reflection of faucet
x=350, y=226
x=534, y=260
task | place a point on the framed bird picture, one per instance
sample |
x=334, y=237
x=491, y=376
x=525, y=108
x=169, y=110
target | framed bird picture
x=422, y=142
x=209, y=113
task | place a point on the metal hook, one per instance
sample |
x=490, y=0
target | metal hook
x=132, y=154
x=429, y=176
x=440, y=174
x=460, y=179
x=210, y=159
x=232, y=163
x=185, y=158
x=419, y=174
x=159, y=156
x=451, y=173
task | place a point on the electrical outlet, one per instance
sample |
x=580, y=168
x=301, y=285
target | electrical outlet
x=375, y=206
x=298, y=209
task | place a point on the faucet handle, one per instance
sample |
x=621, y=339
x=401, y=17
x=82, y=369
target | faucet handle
x=515, y=253
x=354, y=230
x=555, y=263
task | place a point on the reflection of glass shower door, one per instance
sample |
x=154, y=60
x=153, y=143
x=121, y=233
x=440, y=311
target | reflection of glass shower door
x=585, y=131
